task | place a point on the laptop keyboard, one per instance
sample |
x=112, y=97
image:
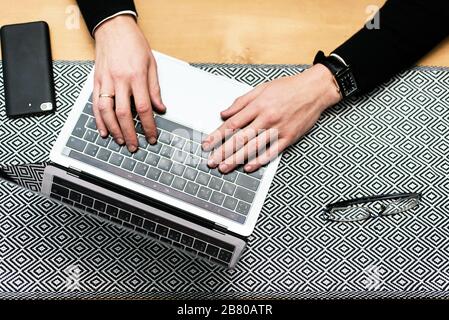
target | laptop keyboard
x=176, y=166
x=195, y=243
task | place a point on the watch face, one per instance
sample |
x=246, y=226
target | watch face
x=347, y=82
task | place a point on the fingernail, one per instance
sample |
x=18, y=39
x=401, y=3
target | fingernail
x=206, y=146
x=152, y=140
x=132, y=148
x=223, y=167
x=102, y=133
x=120, y=141
x=211, y=163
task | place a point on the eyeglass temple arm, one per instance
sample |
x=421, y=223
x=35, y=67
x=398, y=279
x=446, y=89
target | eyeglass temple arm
x=372, y=198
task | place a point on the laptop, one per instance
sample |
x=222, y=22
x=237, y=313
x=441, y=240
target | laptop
x=164, y=190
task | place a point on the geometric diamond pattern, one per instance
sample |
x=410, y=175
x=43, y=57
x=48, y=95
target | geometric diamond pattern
x=394, y=140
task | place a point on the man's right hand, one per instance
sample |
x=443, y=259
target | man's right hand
x=125, y=67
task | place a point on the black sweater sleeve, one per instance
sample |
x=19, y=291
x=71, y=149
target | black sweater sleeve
x=408, y=30
x=94, y=11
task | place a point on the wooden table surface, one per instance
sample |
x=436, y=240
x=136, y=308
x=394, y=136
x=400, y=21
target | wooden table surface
x=228, y=31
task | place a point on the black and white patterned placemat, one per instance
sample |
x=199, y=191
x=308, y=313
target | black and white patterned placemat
x=391, y=141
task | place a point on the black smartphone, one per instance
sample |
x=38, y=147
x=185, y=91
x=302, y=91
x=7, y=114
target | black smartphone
x=27, y=69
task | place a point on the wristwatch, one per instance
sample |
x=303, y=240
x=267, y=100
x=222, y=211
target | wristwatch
x=341, y=71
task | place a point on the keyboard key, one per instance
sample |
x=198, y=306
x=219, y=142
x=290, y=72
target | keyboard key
x=178, y=142
x=69, y=202
x=167, y=151
x=203, y=166
x=155, y=148
x=103, y=142
x=136, y=220
x=126, y=152
x=76, y=144
x=179, y=156
x=165, y=137
x=140, y=155
x=203, y=179
x=165, y=164
x=190, y=147
x=149, y=225
x=90, y=136
x=230, y=203
x=202, y=154
x=60, y=190
x=143, y=143
x=192, y=188
x=112, y=211
x=215, y=172
x=91, y=124
x=152, y=159
x=80, y=129
x=243, y=208
x=192, y=161
x=247, y=182
x=178, y=245
x=215, y=183
x=116, y=159
x=100, y=206
x=165, y=240
x=141, y=169
x=139, y=128
x=225, y=255
x=91, y=150
x=87, y=201
x=187, y=240
x=179, y=183
x=177, y=169
x=212, y=250
x=244, y=194
x=124, y=215
x=75, y=196
x=88, y=109
x=154, y=174
x=114, y=146
x=166, y=178
x=258, y=174
x=231, y=177
x=190, y=174
x=199, y=245
x=204, y=193
x=161, y=230
x=228, y=188
x=174, y=235
x=129, y=164
x=104, y=154
x=217, y=198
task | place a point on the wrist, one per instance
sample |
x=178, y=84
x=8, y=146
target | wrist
x=110, y=26
x=330, y=92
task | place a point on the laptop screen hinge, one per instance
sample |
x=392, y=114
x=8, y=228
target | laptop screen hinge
x=220, y=228
x=74, y=172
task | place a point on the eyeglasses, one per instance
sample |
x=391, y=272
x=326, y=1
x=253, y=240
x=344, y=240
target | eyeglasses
x=370, y=207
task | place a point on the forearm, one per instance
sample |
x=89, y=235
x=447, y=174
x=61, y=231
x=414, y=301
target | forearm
x=408, y=30
x=98, y=11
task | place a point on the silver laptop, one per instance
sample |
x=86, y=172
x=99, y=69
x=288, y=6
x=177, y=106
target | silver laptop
x=172, y=175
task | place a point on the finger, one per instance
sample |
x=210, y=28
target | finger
x=242, y=102
x=155, y=90
x=143, y=107
x=234, y=143
x=251, y=150
x=228, y=128
x=106, y=109
x=101, y=127
x=124, y=116
x=270, y=154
